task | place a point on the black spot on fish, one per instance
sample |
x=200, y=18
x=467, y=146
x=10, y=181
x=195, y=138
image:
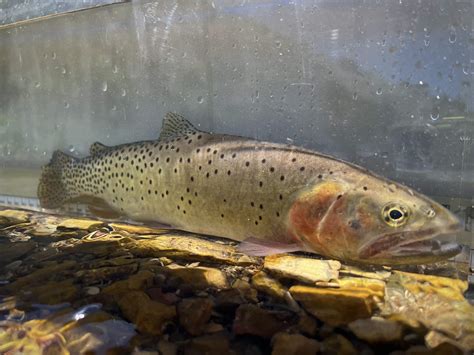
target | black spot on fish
x=208, y=150
x=189, y=160
x=261, y=207
x=228, y=172
x=302, y=168
x=365, y=188
x=222, y=216
x=264, y=161
x=209, y=162
x=320, y=176
x=281, y=197
x=354, y=224
x=278, y=214
x=252, y=204
x=272, y=169
x=282, y=178
x=199, y=137
x=261, y=183
x=214, y=152
x=198, y=150
x=222, y=156
x=207, y=175
x=234, y=155
x=247, y=163
x=168, y=160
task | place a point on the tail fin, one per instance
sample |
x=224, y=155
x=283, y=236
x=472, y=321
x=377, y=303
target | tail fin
x=52, y=187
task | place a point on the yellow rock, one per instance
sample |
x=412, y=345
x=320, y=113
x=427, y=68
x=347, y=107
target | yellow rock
x=376, y=330
x=186, y=247
x=139, y=281
x=266, y=284
x=304, y=269
x=134, y=229
x=13, y=217
x=85, y=224
x=293, y=344
x=376, y=287
x=336, y=306
x=378, y=273
x=200, y=277
x=149, y=316
x=54, y=292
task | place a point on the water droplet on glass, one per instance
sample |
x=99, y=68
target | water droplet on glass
x=420, y=82
x=114, y=108
x=427, y=42
x=104, y=86
x=71, y=149
x=384, y=42
x=434, y=116
x=44, y=153
x=278, y=44
x=438, y=97
x=66, y=104
x=452, y=35
x=37, y=84
x=124, y=92
x=63, y=70
x=379, y=91
x=115, y=69
x=53, y=55
x=354, y=96
x=200, y=99
x=35, y=148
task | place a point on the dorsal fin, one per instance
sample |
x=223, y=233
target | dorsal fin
x=97, y=147
x=175, y=125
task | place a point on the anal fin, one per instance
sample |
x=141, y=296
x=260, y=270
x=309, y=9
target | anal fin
x=260, y=247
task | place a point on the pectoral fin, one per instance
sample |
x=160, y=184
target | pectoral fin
x=261, y=247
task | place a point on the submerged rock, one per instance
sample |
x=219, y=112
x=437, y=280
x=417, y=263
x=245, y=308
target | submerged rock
x=250, y=319
x=194, y=313
x=268, y=285
x=338, y=345
x=377, y=330
x=336, y=306
x=293, y=344
x=303, y=269
x=214, y=344
x=200, y=277
x=149, y=316
x=13, y=217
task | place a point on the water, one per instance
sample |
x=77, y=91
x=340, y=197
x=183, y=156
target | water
x=390, y=92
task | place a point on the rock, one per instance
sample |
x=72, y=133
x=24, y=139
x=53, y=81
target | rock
x=374, y=273
x=157, y=294
x=436, y=303
x=303, y=269
x=92, y=291
x=11, y=252
x=293, y=344
x=84, y=224
x=138, y=281
x=250, y=319
x=377, y=330
x=335, y=306
x=177, y=245
x=268, y=285
x=214, y=344
x=53, y=292
x=307, y=325
x=436, y=340
x=374, y=286
x=149, y=316
x=338, y=345
x=134, y=229
x=106, y=273
x=194, y=313
x=247, y=292
x=13, y=217
x=166, y=348
x=200, y=277
x=213, y=328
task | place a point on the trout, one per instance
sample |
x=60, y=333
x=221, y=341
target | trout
x=273, y=197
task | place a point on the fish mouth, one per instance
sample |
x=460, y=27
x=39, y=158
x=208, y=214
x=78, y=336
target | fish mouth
x=411, y=247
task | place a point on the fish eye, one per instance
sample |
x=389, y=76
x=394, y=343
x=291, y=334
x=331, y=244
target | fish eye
x=394, y=214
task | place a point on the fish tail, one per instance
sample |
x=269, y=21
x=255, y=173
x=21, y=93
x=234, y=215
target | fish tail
x=53, y=189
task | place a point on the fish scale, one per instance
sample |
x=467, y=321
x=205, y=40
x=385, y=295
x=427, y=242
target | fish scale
x=233, y=187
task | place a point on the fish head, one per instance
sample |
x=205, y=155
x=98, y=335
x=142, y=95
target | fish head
x=373, y=221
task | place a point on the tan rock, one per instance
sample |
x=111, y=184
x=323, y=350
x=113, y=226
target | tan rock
x=84, y=224
x=377, y=330
x=214, y=344
x=368, y=272
x=200, y=277
x=335, y=306
x=293, y=344
x=248, y=292
x=176, y=245
x=134, y=229
x=374, y=286
x=54, y=292
x=13, y=217
x=268, y=285
x=136, y=282
x=250, y=319
x=304, y=269
x=149, y=316
x=194, y=313
x=307, y=325
x=338, y=345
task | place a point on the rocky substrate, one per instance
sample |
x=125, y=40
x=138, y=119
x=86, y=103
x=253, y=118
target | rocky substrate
x=70, y=286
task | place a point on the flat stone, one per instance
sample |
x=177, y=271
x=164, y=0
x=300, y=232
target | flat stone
x=200, y=277
x=149, y=316
x=335, y=306
x=337, y=344
x=303, y=269
x=106, y=273
x=13, y=217
x=375, y=286
x=176, y=245
x=85, y=224
x=293, y=344
x=248, y=292
x=250, y=319
x=268, y=285
x=377, y=274
x=134, y=229
x=377, y=330
x=92, y=291
x=194, y=313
